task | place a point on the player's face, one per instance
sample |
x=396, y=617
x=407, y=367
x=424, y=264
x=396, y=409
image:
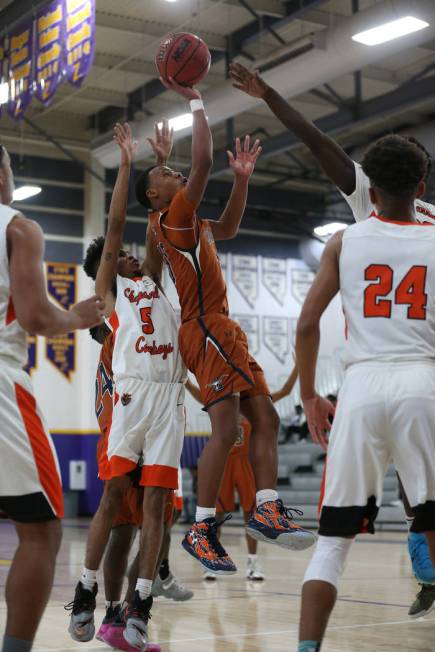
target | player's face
x=164, y=184
x=128, y=265
x=6, y=179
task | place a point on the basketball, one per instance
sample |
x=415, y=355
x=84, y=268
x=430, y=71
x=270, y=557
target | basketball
x=184, y=57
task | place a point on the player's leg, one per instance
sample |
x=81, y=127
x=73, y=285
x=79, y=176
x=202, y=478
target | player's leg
x=82, y=627
x=271, y=522
x=29, y=581
x=138, y=612
x=165, y=584
x=245, y=485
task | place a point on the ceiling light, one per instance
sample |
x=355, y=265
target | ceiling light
x=171, y=0
x=326, y=230
x=25, y=192
x=180, y=122
x=4, y=92
x=389, y=31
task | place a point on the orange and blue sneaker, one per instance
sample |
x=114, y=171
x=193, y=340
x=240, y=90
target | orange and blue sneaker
x=272, y=522
x=202, y=542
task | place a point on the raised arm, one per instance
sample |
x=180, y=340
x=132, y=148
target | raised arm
x=117, y=216
x=35, y=313
x=334, y=161
x=242, y=165
x=202, y=144
x=287, y=388
x=324, y=288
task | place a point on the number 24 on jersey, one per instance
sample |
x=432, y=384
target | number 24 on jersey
x=410, y=291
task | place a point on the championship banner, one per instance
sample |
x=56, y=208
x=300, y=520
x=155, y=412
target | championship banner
x=50, y=37
x=250, y=325
x=32, y=352
x=20, y=69
x=276, y=337
x=274, y=278
x=62, y=287
x=245, y=277
x=301, y=281
x=80, y=39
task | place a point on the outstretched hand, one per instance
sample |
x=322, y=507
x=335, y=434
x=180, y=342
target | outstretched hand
x=186, y=91
x=317, y=411
x=243, y=163
x=248, y=81
x=123, y=137
x=162, y=142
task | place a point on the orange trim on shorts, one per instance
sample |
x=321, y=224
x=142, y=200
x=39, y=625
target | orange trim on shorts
x=103, y=460
x=158, y=475
x=10, y=313
x=42, y=452
x=179, y=503
x=322, y=490
x=120, y=466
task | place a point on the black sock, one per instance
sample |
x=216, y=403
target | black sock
x=164, y=570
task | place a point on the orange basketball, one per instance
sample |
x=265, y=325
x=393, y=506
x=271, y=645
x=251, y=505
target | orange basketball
x=184, y=57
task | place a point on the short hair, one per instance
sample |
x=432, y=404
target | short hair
x=93, y=257
x=142, y=185
x=99, y=333
x=395, y=165
x=411, y=139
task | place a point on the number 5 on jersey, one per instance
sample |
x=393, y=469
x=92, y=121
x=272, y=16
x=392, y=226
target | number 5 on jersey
x=411, y=291
x=147, y=322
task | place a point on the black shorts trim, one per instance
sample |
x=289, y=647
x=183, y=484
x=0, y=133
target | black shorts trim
x=30, y=508
x=218, y=400
x=348, y=521
x=424, y=519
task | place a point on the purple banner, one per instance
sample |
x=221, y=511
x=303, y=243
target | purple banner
x=32, y=352
x=50, y=37
x=80, y=39
x=61, y=286
x=20, y=68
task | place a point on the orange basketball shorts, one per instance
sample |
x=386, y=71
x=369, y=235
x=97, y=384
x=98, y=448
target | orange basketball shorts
x=131, y=510
x=215, y=350
x=238, y=476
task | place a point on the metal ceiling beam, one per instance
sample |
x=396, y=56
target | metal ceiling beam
x=16, y=12
x=294, y=10
x=404, y=97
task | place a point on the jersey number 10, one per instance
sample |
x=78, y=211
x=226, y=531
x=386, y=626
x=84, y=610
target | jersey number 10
x=411, y=291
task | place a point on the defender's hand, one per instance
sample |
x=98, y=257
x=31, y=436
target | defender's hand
x=186, y=91
x=243, y=163
x=248, y=81
x=162, y=143
x=317, y=411
x=124, y=139
x=87, y=313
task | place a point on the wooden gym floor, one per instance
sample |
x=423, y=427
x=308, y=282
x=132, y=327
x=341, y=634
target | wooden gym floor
x=232, y=615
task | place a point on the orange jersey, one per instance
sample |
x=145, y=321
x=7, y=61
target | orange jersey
x=104, y=385
x=241, y=445
x=188, y=247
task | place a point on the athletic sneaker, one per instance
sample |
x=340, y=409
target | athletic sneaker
x=424, y=601
x=136, y=617
x=112, y=613
x=422, y=565
x=81, y=626
x=272, y=522
x=202, y=542
x=114, y=637
x=209, y=576
x=254, y=571
x=170, y=589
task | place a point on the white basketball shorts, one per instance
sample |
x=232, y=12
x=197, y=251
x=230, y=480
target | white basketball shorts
x=30, y=484
x=385, y=414
x=148, y=425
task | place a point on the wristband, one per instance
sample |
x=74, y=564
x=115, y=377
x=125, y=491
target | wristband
x=196, y=105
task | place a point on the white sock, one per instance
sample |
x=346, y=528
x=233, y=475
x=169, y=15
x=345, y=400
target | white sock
x=205, y=512
x=144, y=587
x=112, y=603
x=265, y=496
x=409, y=521
x=252, y=558
x=88, y=578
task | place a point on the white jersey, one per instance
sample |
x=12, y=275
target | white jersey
x=145, y=334
x=13, y=339
x=362, y=208
x=387, y=285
